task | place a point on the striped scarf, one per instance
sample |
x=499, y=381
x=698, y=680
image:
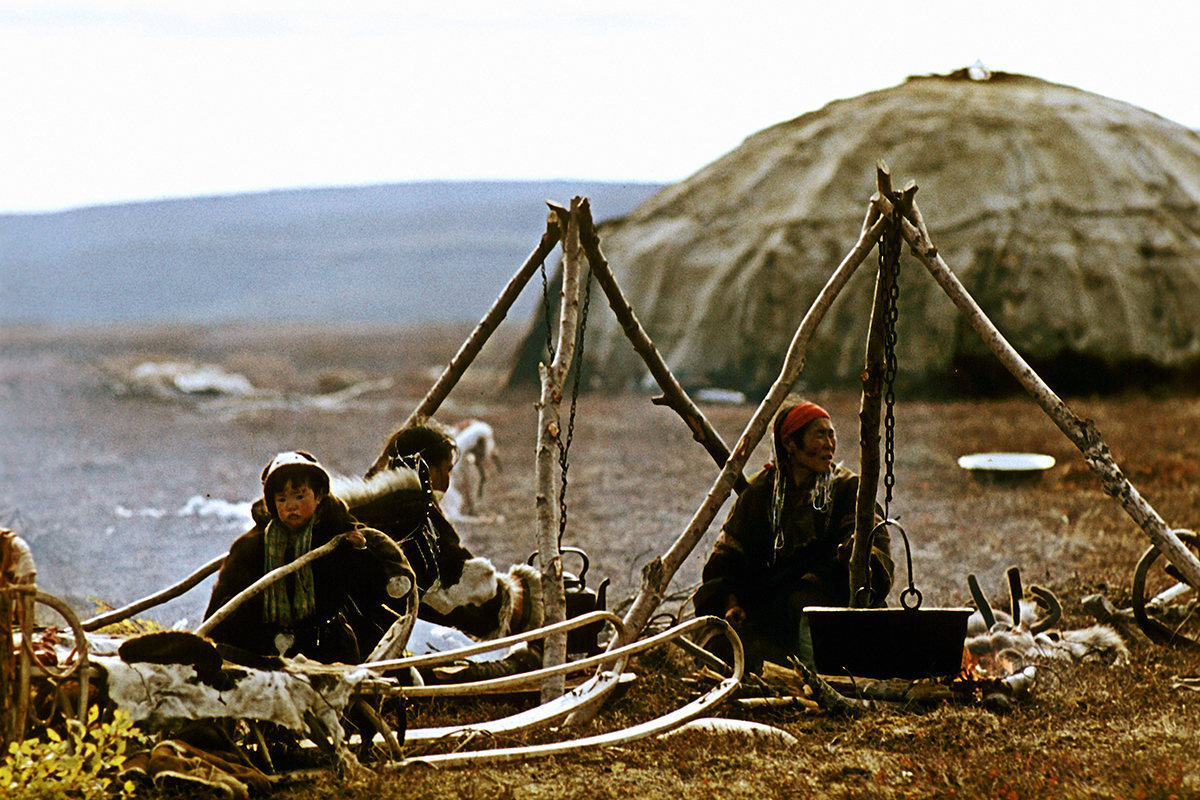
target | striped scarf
x=281, y=548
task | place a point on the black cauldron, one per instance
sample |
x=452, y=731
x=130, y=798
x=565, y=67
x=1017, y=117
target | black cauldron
x=906, y=642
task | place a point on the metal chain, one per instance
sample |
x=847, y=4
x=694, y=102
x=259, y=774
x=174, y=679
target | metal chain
x=889, y=266
x=564, y=444
x=546, y=311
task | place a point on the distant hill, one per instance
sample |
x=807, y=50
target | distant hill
x=411, y=252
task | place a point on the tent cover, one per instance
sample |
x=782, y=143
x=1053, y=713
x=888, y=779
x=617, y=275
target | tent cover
x=1072, y=218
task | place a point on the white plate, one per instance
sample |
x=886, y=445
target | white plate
x=1007, y=462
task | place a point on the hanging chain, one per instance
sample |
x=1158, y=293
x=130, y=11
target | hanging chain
x=546, y=311
x=889, y=269
x=564, y=442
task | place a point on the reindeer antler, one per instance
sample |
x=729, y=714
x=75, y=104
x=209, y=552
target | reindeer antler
x=981, y=602
x=1053, y=609
x=1015, y=595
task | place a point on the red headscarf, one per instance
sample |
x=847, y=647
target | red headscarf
x=800, y=416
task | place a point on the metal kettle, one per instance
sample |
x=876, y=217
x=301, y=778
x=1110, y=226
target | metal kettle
x=582, y=600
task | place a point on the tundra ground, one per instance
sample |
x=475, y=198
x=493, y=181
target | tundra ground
x=98, y=473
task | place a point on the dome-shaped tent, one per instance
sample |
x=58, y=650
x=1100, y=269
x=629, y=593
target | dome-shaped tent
x=1073, y=219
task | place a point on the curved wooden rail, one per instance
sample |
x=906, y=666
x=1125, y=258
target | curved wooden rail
x=674, y=719
x=170, y=593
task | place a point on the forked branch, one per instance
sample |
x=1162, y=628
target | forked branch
x=673, y=396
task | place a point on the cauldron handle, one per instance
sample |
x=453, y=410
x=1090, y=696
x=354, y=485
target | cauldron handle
x=912, y=590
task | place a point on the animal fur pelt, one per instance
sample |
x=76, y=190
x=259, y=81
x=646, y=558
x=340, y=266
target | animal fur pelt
x=359, y=491
x=458, y=589
x=1003, y=643
x=159, y=695
x=167, y=679
x=1003, y=652
x=471, y=603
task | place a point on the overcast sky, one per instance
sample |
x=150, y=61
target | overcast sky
x=106, y=102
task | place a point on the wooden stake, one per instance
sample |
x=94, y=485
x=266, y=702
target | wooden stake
x=673, y=397
x=868, y=414
x=1082, y=433
x=868, y=442
x=554, y=378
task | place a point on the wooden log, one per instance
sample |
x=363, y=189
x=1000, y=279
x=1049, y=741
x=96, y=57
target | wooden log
x=554, y=379
x=262, y=583
x=910, y=692
x=474, y=343
x=170, y=593
x=673, y=394
x=826, y=696
x=1082, y=433
x=779, y=702
x=657, y=574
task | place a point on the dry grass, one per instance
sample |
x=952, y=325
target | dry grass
x=72, y=450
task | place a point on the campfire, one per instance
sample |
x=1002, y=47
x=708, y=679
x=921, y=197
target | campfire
x=1002, y=645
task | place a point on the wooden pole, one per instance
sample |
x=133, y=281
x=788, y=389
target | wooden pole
x=266, y=580
x=491, y=320
x=673, y=396
x=657, y=574
x=8, y=676
x=868, y=415
x=554, y=378
x=1082, y=433
x=25, y=602
x=868, y=443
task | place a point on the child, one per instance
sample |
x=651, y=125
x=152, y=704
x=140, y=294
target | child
x=307, y=611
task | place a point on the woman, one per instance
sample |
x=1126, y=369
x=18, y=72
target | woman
x=787, y=540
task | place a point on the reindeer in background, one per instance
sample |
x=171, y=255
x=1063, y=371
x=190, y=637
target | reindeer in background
x=1002, y=644
x=477, y=452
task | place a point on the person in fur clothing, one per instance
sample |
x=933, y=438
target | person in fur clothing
x=308, y=611
x=459, y=590
x=786, y=543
